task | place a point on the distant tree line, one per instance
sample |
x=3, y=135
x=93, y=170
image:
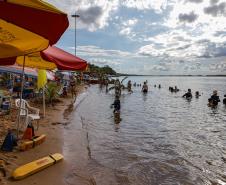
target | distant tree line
x=101, y=70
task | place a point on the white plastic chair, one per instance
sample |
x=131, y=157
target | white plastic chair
x=24, y=112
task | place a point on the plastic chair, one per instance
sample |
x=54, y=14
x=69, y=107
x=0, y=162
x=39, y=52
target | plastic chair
x=24, y=112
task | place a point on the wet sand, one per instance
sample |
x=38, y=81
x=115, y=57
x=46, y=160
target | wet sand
x=53, y=125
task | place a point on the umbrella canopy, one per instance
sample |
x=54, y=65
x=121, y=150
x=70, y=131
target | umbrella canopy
x=36, y=16
x=50, y=59
x=63, y=60
x=18, y=70
x=27, y=71
x=27, y=27
x=35, y=61
x=16, y=41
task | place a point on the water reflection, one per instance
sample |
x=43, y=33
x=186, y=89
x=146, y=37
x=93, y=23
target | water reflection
x=162, y=138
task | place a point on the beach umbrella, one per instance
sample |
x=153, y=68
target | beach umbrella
x=63, y=59
x=27, y=71
x=16, y=41
x=36, y=16
x=27, y=27
x=53, y=58
x=34, y=60
x=18, y=70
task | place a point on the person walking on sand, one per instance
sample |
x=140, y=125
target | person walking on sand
x=188, y=95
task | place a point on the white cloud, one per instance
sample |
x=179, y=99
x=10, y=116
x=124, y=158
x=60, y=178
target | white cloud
x=125, y=31
x=183, y=31
x=94, y=51
x=104, y=62
x=218, y=67
x=156, y=5
x=130, y=22
x=126, y=28
x=191, y=32
x=93, y=14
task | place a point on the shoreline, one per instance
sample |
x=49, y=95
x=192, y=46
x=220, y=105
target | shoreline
x=53, y=125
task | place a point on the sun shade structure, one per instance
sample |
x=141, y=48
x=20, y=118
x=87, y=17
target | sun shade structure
x=16, y=41
x=27, y=71
x=35, y=61
x=50, y=59
x=63, y=59
x=18, y=70
x=36, y=16
x=27, y=27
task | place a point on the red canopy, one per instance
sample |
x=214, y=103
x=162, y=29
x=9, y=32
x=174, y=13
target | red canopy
x=63, y=60
x=49, y=24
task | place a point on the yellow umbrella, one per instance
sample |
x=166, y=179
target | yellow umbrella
x=35, y=61
x=27, y=27
x=16, y=41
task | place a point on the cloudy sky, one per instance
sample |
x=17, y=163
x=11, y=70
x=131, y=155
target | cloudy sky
x=149, y=36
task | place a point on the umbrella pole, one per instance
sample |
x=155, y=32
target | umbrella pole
x=44, y=103
x=21, y=96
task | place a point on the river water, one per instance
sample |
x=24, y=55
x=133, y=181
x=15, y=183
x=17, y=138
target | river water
x=162, y=139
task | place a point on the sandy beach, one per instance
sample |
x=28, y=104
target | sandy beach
x=53, y=126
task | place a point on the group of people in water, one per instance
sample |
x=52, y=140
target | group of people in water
x=118, y=86
x=212, y=101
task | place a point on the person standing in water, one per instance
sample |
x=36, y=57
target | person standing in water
x=117, y=107
x=129, y=86
x=197, y=94
x=224, y=100
x=116, y=104
x=117, y=88
x=145, y=88
x=188, y=95
x=214, y=99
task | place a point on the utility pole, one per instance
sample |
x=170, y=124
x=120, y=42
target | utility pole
x=75, y=16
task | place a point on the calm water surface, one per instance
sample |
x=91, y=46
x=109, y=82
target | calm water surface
x=162, y=138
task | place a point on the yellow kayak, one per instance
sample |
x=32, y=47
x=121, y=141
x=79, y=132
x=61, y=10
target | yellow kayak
x=26, y=145
x=36, y=166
